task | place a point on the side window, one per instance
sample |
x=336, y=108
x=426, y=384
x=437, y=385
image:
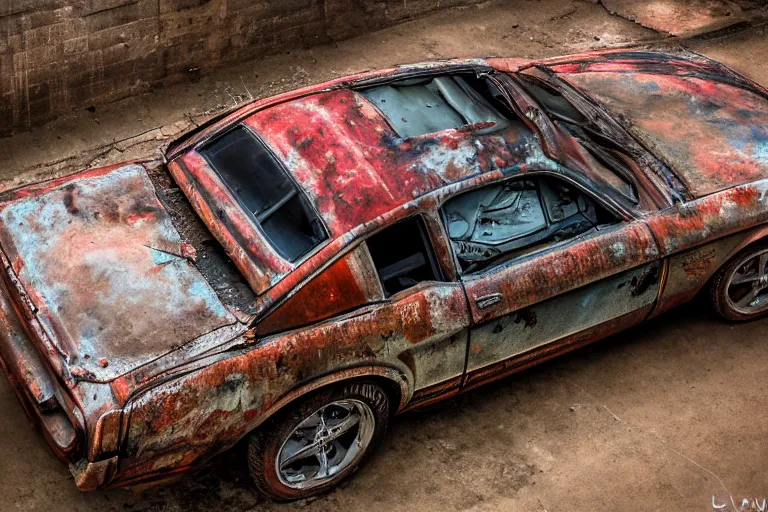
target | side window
x=402, y=255
x=498, y=222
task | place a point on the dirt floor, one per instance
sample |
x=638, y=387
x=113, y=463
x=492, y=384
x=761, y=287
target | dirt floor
x=670, y=415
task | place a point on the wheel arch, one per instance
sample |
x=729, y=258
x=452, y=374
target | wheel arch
x=396, y=384
x=718, y=285
x=759, y=234
x=683, y=285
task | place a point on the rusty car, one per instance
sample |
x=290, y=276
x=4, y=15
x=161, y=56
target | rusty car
x=300, y=269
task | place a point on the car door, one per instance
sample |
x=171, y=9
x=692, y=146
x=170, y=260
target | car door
x=546, y=268
x=424, y=319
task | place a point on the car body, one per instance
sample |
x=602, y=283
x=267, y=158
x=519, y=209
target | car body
x=156, y=314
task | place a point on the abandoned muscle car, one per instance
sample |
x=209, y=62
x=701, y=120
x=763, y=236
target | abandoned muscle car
x=308, y=265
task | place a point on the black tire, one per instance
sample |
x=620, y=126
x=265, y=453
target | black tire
x=719, y=289
x=265, y=444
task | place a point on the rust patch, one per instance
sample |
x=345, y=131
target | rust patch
x=355, y=168
x=640, y=284
x=102, y=263
x=527, y=317
x=698, y=264
x=672, y=109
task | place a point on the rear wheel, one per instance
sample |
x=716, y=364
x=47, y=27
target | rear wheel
x=740, y=288
x=318, y=442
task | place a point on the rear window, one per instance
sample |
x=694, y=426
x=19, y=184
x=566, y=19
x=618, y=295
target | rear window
x=264, y=188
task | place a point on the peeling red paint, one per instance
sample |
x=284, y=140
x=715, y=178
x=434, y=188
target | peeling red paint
x=712, y=134
x=356, y=168
x=167, y=373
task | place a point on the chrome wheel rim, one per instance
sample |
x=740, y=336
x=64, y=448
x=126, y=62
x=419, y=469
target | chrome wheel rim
x=747, y=288
x=326, y=443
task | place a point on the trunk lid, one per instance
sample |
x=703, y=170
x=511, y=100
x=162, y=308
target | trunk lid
x=106, y=271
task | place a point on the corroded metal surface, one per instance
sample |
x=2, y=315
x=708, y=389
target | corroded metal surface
x=556, y=295
x=105, y=272
x=711, y=217
x=563, y=316
x=712, y=134
x=197, y=415
x=558, y=347
x=127, y=324
x=353, y=167
x=31, y=380
x=523, y=283
x=220, y=123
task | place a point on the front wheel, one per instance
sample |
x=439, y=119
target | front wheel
x=740, y=289
x=319, y=442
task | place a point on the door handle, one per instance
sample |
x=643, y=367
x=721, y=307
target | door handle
x=486, y=301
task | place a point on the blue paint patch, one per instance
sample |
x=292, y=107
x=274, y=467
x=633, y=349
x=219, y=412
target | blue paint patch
x=161, y=258
x=85, y=250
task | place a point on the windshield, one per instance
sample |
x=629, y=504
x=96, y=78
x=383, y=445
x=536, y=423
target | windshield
x=712, y=134
x=266, y=191
x=603, y=150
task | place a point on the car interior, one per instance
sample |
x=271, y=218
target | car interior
x=487, y=226
x=420, y=106
x=403, y=255
x=500, y=221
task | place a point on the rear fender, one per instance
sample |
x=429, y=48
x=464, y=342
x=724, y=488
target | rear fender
x=188, y=420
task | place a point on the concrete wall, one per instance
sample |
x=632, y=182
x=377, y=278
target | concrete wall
x=56, y=56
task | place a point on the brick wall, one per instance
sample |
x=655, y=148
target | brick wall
x=56, y=56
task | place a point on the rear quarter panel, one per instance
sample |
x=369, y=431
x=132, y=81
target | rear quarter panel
x=222, y=398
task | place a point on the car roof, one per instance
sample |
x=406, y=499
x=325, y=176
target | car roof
x=222, y=121
x=354, y=167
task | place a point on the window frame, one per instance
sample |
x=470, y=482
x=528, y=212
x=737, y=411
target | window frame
x=432, y=257
x=249, y=214
x=620, y=217
x=630, y=179
x=533, y=114
x=654, y=193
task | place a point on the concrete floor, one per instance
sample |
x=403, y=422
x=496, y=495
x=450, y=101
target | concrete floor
x=665, y=416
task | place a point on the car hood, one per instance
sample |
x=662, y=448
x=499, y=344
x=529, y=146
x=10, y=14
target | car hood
x=707, y=122
x=106, y=272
